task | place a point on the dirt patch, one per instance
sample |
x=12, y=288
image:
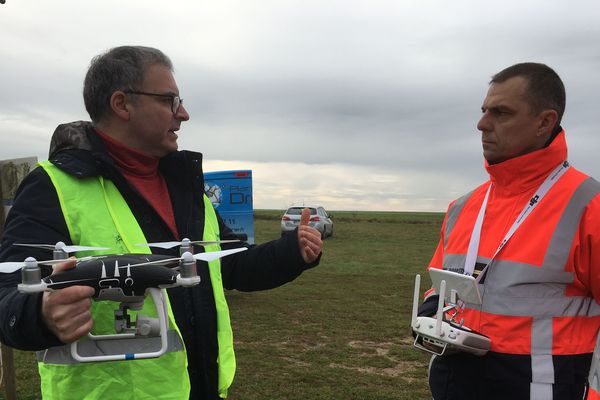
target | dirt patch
x=295, y=344
x=399, y=370
x=298, y=363
x=382, y=349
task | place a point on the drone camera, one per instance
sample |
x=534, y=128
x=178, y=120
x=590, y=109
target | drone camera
x=147, y=326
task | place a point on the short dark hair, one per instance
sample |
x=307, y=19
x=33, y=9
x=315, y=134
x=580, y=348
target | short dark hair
x=545, y=90
x=120, y=68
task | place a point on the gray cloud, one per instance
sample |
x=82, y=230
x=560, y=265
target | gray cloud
x=388, y=90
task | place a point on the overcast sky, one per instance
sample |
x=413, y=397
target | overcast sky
x=352, y=104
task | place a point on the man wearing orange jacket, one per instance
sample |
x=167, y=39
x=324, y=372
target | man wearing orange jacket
x=538, y=239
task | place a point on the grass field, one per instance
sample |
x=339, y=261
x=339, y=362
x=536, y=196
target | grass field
x=340, y=331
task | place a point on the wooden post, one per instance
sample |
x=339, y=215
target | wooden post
x=8, y=368
x=8, y=361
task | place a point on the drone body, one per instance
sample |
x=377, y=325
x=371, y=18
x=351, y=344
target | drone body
x=114, y=277
x=117, y=277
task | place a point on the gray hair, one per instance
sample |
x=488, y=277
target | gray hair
x=120, y=68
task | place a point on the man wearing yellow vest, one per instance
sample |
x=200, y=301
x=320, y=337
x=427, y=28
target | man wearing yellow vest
x=115, y=182
x=531, y=236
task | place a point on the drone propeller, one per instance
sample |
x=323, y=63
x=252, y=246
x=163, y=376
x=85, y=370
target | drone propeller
x=184, y=242
x=61, y=246
x=213, y=255
x=12, y=266
x=210, y=256
x=8, y=267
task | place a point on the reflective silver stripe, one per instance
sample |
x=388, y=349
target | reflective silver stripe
x=62, y=354
x=541, y=307
x=523, y=280
x=562, y=238
x=514, y=289
x=594, y=378
x=542, y=369
x=454, y=262
x=452, y=215
x=541, y=340
x=540, y=391
x=542, y=366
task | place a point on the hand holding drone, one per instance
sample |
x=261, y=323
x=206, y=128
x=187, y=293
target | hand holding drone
x=66, y=312
x=124, y=278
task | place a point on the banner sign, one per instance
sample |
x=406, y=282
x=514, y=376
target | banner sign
x=230, y=192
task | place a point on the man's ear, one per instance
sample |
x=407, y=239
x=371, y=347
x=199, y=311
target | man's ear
x=547, y=122
x=120, y=105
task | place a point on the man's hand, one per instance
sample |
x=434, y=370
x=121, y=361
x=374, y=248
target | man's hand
x=66, y=311
x=309, y=239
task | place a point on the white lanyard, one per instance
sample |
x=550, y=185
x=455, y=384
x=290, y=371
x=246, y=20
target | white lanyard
x=529, y=207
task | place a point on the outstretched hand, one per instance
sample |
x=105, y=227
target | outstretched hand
x=309, y=239
x=66, y=311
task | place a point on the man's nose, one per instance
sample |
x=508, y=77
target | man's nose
x=484, y=122
x=182, y=113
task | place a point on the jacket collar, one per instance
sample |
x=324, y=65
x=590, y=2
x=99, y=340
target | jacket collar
x=128, y=160
x=521, y=173
x=77, y=149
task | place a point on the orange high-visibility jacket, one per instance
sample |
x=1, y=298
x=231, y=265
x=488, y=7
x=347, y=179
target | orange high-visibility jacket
x=541, y=293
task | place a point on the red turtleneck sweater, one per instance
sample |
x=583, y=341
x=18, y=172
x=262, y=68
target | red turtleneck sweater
x=141, y=171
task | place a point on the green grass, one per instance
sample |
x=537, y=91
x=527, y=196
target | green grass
x=339, y=331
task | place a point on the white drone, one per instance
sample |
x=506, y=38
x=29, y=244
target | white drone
x=124, y=278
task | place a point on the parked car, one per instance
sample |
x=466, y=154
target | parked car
x=319, y=219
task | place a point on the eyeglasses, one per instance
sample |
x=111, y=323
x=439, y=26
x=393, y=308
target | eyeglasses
x=176, y=101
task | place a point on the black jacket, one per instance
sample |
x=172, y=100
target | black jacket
x=36, y=218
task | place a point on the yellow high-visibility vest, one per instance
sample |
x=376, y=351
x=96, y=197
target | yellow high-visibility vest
x=97, y=215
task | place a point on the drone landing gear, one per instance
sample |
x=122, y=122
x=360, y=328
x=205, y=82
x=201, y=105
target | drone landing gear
x=439, y=336
x=145, y=328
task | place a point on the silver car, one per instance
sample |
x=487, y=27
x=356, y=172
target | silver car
x=318, y=220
